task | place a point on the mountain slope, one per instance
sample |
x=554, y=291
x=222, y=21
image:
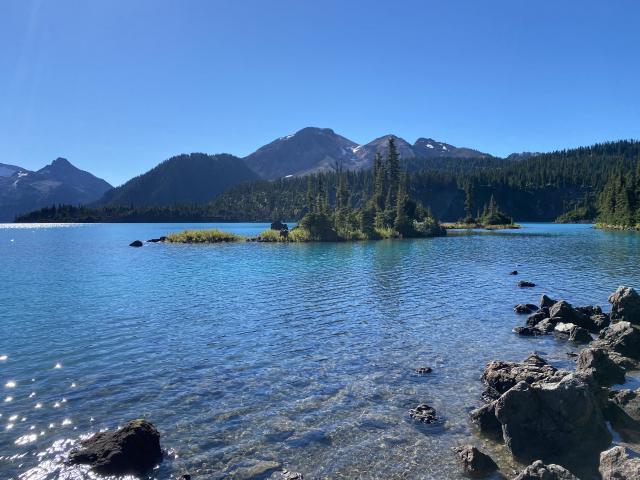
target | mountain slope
x=308, y=150
x=194, y=178
x=314, y=149
x=60, y=182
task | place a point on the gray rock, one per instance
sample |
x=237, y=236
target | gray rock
x=255, y=470
x=540, y=420
x=136, y=243
x=525, y=284
x=563, y=328
x=539, y=471
x=134, y=448
x=617, y=464
x=596, y=363
x=625, y=305
x=546, y=326
x=565, y=313
x=474, y=463
x=623, y=411
x=622, y=338
x=501, y=376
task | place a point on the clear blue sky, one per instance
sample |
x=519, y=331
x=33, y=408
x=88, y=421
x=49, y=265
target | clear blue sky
x=117, y=86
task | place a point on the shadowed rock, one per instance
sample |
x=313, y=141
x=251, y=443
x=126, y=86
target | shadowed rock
x=485, y=419
x=546, y=302
x=136, y=243
x=539, y=471
x=625, y=305
x=623, y=411
x=546, y=420
x=474, y=463
x=617, y=464
x=597, y=364
x=134, y=448
x=622, y=338
x=525, y=284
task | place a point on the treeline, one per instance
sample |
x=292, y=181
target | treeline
x=541, y=188
x=619, y=201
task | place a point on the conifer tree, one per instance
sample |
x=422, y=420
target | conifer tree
x=393, y=173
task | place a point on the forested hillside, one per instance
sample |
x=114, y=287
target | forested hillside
x=539, y=188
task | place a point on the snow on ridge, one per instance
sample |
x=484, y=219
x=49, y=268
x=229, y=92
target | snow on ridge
x=430, y=146
x=355, y=149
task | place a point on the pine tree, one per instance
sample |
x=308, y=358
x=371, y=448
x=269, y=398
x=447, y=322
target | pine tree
x=468, y=201
x=402, y=223
x=393, y=173
x=378, y=182
x=310, y=196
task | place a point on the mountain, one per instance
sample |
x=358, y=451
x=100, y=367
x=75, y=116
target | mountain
x=314, y=149
x=307, y=151
x=194, y=178
x=22, y=190
x=8, y=170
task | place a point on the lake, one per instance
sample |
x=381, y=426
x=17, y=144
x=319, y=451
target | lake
x=302, y=354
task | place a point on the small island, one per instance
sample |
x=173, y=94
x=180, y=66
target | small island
x=389, y=213
x=492, y=218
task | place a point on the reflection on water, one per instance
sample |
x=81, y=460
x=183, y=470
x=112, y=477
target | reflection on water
x=300, y=354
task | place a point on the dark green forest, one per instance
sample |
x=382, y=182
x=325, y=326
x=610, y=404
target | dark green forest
x=583, y=184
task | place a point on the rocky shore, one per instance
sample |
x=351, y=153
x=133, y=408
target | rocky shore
x=558, y=420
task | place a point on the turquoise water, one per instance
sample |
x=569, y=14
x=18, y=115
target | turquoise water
x=302, y=354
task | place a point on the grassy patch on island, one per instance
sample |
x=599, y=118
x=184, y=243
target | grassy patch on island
x=204, y=236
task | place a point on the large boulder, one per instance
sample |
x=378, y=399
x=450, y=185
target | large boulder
x=598, y=364
x=625, y=305
x=617, y=464
x=622, y=338
x=580, y=335
x=500, y=376
x=539, y=471
x=474, y=463
x=424, y=413
x=535, y=318
x=549, y=420
x=132, y=449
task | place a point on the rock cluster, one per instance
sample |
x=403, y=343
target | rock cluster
x=545, y=414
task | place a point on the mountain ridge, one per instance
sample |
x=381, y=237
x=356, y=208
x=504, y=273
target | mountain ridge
x=23, y=190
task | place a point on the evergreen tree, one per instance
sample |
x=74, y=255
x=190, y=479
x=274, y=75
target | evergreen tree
x=378, y=182
x=393, y=173
x=468, y=202
x=403, y=223
x=310, y=195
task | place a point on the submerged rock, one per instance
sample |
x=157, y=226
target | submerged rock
x=597, y=364
x=522, y=308
x=474, y=463
x=542, y=420
x=525, y=284
x=423, y=413
x=423, y=370
x=539, y=471
x=134, y=448
x=617, y=464
x=527, y=331
x=255, y=469
x=625, y=305
x=514, y=272
x=136, y=243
